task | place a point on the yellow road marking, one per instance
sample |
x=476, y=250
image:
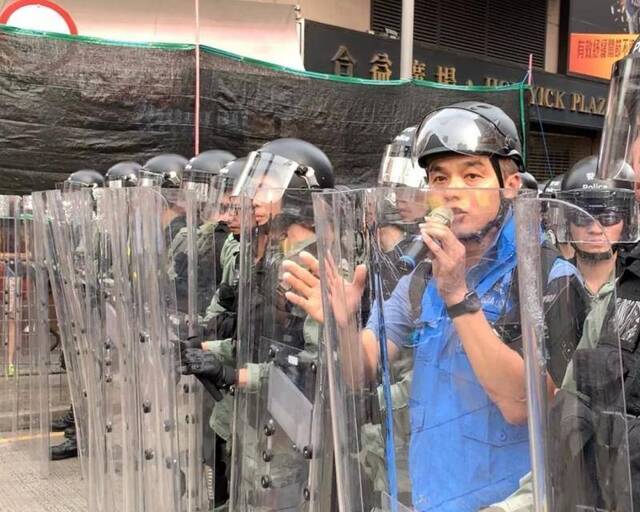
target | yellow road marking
x=8, y=440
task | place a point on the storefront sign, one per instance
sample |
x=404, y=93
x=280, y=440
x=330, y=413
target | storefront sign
x=556, y=99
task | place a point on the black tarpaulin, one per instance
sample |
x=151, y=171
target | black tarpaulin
x=68, y=103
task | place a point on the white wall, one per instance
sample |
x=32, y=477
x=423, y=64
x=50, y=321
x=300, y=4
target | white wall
x=262, y=30
x=353, y=14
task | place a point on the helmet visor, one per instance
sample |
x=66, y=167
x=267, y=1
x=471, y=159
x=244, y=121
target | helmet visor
x=150, y=179
x=73, y=186
x=221, y=205
x=265, y=174
x=197, y=181
x=458, y=131
x=620, y=146
x=115, y=183
x=397, y=168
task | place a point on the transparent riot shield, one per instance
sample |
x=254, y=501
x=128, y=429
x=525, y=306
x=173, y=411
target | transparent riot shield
x=76, y=255
x=579, y=420
x=22, y=316
x=192, y=248
x=155, y=420
x=123, y=441
x=424, y=347
x=282, y=456
x=41, y=348
x=47, y=224
x=10, y=212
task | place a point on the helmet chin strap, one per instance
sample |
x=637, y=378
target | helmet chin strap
x=592, y=257
x=495, y=163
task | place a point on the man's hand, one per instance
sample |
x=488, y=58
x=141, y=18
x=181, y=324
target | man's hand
x=305, y=285
x=448, y=261
x=344, y=296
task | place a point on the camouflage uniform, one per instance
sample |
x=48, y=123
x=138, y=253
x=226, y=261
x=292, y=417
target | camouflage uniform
x=522, y=499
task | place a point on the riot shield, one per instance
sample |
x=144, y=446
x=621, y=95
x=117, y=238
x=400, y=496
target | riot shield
x=423, y=346
x=19, y=380
x=41, y=348
x=282, y=456
x=75, y=253
x=43, y=205
x=10, y=206
x=191, y=250
x=579, y=421
x=123, y=445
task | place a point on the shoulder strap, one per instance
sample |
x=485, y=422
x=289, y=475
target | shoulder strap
x=417, y=285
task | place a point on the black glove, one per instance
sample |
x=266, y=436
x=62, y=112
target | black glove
x=228, y=297
x=208, y=369
x=194, y=340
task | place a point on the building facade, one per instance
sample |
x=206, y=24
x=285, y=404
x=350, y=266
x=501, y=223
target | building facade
x=487, y=42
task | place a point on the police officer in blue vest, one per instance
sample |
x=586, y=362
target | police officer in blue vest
x=459, y=312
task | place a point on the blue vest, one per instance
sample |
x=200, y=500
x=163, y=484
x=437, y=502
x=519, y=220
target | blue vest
x=463, y=454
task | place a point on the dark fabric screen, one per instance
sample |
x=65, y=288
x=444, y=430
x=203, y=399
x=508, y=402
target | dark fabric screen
x=70, y=103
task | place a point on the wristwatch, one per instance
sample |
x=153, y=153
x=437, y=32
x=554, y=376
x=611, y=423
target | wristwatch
x=470, y=304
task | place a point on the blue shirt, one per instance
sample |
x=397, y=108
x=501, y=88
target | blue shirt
x=463, y=455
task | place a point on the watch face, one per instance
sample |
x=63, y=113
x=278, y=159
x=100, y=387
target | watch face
x=472, y=302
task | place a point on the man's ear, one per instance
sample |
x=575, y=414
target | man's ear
x=513, y=181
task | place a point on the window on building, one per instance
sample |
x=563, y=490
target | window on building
x=505, y=30
x=563, y=151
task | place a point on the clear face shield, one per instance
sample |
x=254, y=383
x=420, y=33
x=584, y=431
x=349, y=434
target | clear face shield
x=74, y=186
x=197, y=181
x=149, y=179
x=266, y=173
x=398, y=169
x=222, y=206
x=115, y=184
x=122, y=181
x=619, y=162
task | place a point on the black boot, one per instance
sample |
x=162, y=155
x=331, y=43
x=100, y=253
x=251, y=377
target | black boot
x=70, y=432
x=65, y=422
x=66, y=450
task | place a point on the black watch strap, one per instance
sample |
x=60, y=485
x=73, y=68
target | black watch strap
x=470, y=304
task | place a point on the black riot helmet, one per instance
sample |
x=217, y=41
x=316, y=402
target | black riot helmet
x=468, y=128
x=234, y=169
x=85, y=178
x=201, y=168
x=163, y=170
x=123, y=174
x=286, y=163
x=529, y=181
x=211, y=161
x=398, y=167
x=582, y=186
x=610, y=200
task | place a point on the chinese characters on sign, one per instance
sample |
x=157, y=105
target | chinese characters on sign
x=380, y=67
x=343, y=62
x=605, y=48
x=446, y=75
x=419, y=70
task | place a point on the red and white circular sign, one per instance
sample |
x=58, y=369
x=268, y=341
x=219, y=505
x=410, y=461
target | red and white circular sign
x=38, y=15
